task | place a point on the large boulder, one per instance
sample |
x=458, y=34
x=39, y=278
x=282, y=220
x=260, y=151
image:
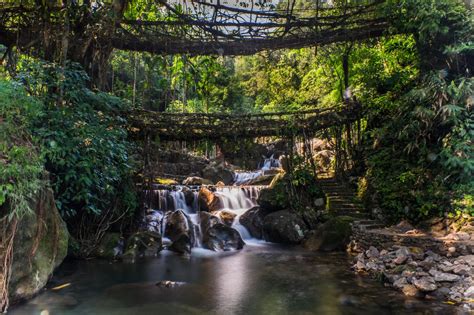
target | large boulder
x=217, y=171
x=217, y=236
x=41, y=244
x=208, y=201
x=143, y=244
x=227, y=217
x=221, y=237
x=284, y=227
x=179, y=230
x=275, y=197
x=332, y=235
x=188, y=196
x=252, y=220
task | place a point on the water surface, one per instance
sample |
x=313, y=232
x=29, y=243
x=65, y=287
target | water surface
x=261, y=279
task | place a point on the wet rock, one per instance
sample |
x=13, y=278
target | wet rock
x=425, y=284
x=411, y=290
x=182, y=244
x=226, y=216
x=441, y=292
x=283, y=227
x=220, y=237
x=46, y=233
x=359, y=266
x=188, y=196
x=207, y=220
x=208, y=201
x=334, y=234
x=110, y=247
x=195, y=180
x=143, y=244
x=400, y=283
x=443, y=276
x=179, y=230
x=252, y=220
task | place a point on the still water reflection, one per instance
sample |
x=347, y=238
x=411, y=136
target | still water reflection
x=261, y=279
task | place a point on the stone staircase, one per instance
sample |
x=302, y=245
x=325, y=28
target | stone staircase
x=342, y=201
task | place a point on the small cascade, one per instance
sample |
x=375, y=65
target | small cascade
x=270, y=163
x=244, y=178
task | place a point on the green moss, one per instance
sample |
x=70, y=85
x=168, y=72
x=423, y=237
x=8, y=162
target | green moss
x=105, y=249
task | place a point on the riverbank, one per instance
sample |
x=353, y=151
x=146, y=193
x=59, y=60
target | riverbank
x=421, y=264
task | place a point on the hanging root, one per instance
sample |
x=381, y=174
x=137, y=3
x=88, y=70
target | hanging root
x=7, y=237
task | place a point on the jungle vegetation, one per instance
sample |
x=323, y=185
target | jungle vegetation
x=415, y=156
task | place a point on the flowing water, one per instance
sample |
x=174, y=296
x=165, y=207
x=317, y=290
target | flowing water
x=243, y=178
x=261, y=279
x=237, y=199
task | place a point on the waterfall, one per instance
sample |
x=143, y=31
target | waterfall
x=237, y=199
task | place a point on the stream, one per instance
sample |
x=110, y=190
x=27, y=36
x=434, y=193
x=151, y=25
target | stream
x=263, y=278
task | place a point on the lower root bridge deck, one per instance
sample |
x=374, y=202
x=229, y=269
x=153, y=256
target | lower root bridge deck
x=200, y=126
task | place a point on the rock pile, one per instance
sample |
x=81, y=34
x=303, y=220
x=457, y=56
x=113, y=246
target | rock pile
x=422, y=274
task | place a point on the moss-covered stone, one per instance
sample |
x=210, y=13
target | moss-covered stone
x=41, y=244
x=143, y=244
x=332, y=235
x=275, y=197
x=285, y=227
x=109, y=246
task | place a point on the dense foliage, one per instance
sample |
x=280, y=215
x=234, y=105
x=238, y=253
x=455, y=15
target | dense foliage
x=79, y=138
x=21, y=165
x=421, y=163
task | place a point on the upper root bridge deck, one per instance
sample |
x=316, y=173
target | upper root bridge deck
x=201, y=126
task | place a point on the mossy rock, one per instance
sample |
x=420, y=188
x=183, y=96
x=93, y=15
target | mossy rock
x=285, y=227
x=275, y=197
x=143, y=244
x=110, y=246
x=41, y=244
x=332, y=235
